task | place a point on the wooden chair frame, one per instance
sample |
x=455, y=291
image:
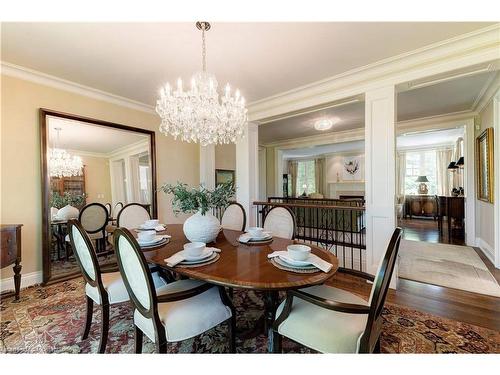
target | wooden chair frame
x=152, y=311
x=370, y=339
x=97, y=283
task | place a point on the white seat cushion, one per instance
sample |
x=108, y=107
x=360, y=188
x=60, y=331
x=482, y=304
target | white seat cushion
x=113, y=283
x=92, y=236
x=186, y=318
x=324, y=330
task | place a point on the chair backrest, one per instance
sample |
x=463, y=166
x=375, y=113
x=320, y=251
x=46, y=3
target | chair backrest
x=234, y=217
x=281, y=222
x=116, y=210
x=93, y=217
x=108, y=208
x=132, y=216
x=379, y=293
x=85, y=255
x=136, y=274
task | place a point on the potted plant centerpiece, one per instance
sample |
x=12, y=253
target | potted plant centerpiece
x=202, y=226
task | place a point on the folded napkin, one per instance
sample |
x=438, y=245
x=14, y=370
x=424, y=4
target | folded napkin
x=160, y=227
x=177, y=257
x=315, y=260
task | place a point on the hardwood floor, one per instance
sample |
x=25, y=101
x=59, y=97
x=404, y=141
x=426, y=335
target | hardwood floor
x=427, y=230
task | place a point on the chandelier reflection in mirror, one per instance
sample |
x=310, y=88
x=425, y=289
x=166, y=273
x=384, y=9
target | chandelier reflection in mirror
x=61, y=163
x=197, y=115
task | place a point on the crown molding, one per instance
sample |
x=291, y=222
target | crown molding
x=446, y=121
x=333, y=137
x=487, y=94
x=136, y=147
x=464, y=50
x=35, y=76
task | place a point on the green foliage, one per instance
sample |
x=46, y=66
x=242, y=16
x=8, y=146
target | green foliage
x=190, y=200
x=59, y=201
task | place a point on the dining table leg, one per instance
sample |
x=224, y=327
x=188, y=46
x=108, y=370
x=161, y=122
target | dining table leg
x=270, y=305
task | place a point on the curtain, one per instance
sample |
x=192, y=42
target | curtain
x=400, y=176
x=292, y=171
x=320, y=175
x=444, y=180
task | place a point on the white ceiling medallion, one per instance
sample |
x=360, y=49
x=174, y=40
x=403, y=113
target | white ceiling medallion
x=197, y=115
x=61, y=163
x=326, y=124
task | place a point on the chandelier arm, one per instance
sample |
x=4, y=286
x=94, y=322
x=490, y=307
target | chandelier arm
x=203, y=48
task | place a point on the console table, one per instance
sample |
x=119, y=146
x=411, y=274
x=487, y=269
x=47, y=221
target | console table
x=11, y=251
x=421, y=205
x=454, y=209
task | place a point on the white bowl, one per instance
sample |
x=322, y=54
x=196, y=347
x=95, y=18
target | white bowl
x=256, y=232
x=194, y=249
x=298, y=252
x=146, y=235
x=151, y=223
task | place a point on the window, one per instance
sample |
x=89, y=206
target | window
x=421, y=163
x=306, y=179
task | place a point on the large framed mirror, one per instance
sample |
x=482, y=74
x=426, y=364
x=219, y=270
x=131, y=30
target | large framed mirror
x=90, y=170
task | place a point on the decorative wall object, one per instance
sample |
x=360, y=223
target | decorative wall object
x=223, y=176
x=352, y=169
x=484, y=165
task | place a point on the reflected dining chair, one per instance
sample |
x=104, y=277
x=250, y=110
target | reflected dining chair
x=132, y=216
x=234, y=217
x=116, y=210
x=181, y=310
x=281, y=222
x=104, y=287
x=108, y=208
x=331, y=320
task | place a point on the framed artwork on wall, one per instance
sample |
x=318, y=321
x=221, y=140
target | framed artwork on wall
x=352, y=169
x=224, y=175
x=484, y=165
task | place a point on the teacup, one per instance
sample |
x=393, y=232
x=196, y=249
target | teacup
x=194, y=249
x=151, y=223
x=256, y=232
x=146, y=235
x=298, y=252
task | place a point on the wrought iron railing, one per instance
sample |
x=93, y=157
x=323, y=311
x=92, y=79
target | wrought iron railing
x=339, y=228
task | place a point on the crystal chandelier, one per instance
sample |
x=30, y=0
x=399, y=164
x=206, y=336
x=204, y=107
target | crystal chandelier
x=197, y=115
x=61, y=163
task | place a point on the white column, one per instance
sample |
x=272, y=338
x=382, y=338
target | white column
x=247, y=173
x=207, y=166
x=380, y=173
x=496, y=174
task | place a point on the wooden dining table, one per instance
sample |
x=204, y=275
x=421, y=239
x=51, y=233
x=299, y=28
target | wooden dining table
x=244, y=266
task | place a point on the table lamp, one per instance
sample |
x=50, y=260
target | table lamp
x=422, y=188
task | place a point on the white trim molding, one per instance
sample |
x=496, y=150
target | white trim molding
x=27, y=279
x=35, y=76
x=486, y=249
x=465, y=50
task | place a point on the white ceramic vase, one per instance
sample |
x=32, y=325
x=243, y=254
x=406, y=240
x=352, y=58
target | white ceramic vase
x=67, y=212
x=201, y=228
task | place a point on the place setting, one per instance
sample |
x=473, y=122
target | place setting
x=153, y=224
x=256, y=236
x=299, y=258
x=194, y=254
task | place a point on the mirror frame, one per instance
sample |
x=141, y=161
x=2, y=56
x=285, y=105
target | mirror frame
x=43, y=113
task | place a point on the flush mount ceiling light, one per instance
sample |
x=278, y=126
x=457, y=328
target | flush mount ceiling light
x=197, y=115
x=326, y=124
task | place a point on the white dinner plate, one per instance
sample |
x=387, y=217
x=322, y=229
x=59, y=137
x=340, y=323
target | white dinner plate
x=265, y=237
x=296, y=263
x=286, y=264
x=143, y=227
x=153, y=241
x=205, y=254
x=206, y=259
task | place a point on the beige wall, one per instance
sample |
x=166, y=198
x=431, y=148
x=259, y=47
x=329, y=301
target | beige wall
x=485, y=211
x=97, y=179
x=225, y=157
x=20, y=156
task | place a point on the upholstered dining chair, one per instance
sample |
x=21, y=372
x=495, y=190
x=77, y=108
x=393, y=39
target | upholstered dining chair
x=132, y=216
x=116, y=210
x=281, y=222
x=184, y=308
x=93, y=218
x=234, y=217
x=332, y=320
x=104, y=287
x=108, y=208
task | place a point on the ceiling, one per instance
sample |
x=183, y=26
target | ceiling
x=451, y=96
x=430, y=138
x=307, y=152
x=261, y=59
x=83, y=136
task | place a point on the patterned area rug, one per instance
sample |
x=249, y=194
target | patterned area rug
x=50, y=320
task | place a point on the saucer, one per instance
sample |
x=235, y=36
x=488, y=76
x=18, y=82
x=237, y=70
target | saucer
x=151, y=242
x=205, y=254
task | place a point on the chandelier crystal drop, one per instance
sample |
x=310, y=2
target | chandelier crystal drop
x=198, y=115
x=62, y=164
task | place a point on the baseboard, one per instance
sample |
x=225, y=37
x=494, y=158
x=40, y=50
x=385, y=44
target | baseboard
x=27, y=279
x=486, y=248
